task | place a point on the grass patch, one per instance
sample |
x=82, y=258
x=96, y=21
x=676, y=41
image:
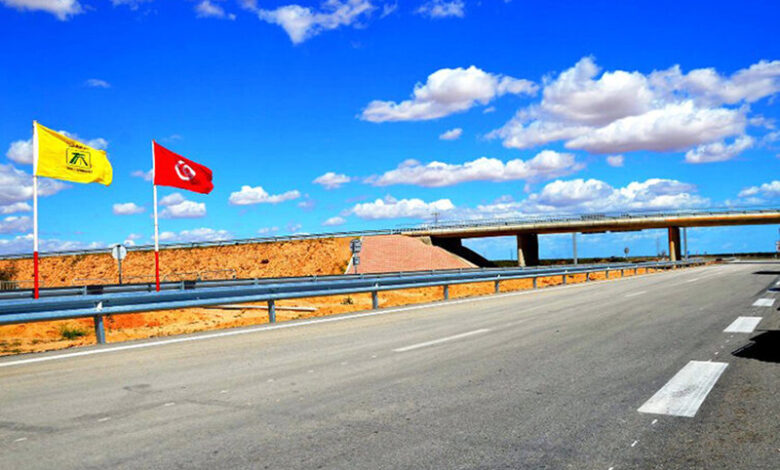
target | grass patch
x=72, y=332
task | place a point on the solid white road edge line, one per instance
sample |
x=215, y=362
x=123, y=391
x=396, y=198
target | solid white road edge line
x=767, y=302
x=743, y=325
x=686, y=391
x=442, y=340
x=267, y=327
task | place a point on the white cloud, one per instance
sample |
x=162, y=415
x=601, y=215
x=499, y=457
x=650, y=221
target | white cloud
x=132, y=4
x=267, y=230
x=452, y=134
x=391, y=208
x=442, y=9
x=302, y=23
x=622, y=111
x=615, y=160
x=127, y=208
x=592, y=195
x=15, y=207
x=131, y=239
x=184, y=210
x=196, y=235
x=21, y=151
x=258, y=195
x=388, y=9
x=208, y=9
x=589, y=196
x=719, y=151
x=448, y=91
x=575, y=96
x=331, y=180
x=14, y=224
x=62, y=9
x=16, y=186
x=145, y=175
x=671, y=128
x=769, y=190
x=334, y=221
x=708, y=86
x=172, y=199
x=307, y=204
x=178, y=207
x=24, y=244
x=97, y=83
x=547, y=164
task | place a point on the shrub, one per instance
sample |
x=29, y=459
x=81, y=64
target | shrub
x=347, y=301
x=72, y=332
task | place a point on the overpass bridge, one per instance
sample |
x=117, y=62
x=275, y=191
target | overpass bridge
x=527, y=230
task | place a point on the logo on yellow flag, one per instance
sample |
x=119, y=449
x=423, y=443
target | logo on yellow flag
x=78, y=159
x=63, y=158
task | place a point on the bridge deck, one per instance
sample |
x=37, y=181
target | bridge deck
x=599, y=223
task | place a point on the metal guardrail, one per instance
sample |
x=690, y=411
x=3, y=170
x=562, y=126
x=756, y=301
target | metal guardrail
x=189, y=294
x=189, y=284
x=410, y=229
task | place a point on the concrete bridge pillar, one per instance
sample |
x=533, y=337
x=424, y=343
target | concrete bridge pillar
x=528, y=249
x=675, y=253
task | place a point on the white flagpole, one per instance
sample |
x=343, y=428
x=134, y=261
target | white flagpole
x=35, y=210
x=156, y=229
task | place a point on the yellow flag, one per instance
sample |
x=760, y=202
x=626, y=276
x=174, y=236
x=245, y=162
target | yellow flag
x=63, y=158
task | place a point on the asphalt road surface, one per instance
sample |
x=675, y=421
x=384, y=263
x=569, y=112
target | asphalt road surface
x=636, y=373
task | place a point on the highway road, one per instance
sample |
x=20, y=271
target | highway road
x=676, y=370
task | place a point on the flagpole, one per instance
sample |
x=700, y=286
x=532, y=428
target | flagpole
x=35, y=210
x=156, y=229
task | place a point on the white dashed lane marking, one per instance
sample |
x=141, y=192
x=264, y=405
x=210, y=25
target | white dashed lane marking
x=634, y=294
x=442, y=340
x=768, y=302
x=743, y=325
x=686, y=391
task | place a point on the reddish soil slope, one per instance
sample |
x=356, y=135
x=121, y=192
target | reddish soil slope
x=392, y=253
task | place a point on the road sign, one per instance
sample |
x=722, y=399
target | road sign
x=118, y=251
x=356, y=260
x=356, y=245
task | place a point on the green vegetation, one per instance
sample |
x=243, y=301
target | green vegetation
x=347, y=301
x=72, y=332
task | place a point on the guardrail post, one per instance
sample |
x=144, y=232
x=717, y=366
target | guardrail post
x=587, y=276
x=496, y=287
x=607, y=274
x=534, y=282
x=622, y=273
x=564, y=276
x=100, y=331
x=446, y=292
x=374, y=300
x=271, y=311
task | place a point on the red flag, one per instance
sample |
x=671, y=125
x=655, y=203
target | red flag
x=171, y=169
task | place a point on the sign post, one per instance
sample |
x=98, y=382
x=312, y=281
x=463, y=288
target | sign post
x=355, y=245
x=119, y=252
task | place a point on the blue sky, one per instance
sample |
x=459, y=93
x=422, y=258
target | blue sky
x=398, y=110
